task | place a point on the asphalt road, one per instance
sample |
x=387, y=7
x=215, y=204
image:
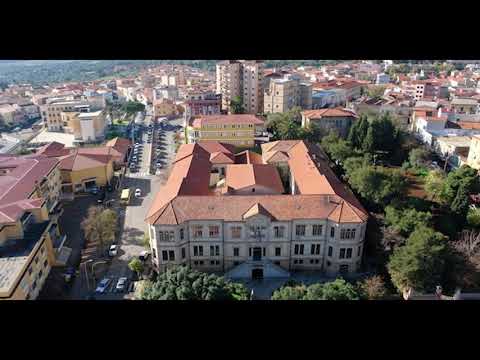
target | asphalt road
x=132, y=217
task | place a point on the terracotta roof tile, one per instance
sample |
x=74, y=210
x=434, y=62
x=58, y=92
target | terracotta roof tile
x=240, y=176
x=330, y=112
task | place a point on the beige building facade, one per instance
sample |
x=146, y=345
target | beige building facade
x=243, y=79
x=284, y=94
x=313, y=224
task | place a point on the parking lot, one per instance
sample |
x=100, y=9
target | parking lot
x=148, y=178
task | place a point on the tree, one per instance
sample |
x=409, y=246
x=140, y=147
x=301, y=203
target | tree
x=290, y=293
x=136, y=266
x=373, y=288
x=333, y=290
x=417, y=157
x=132, y=107
x=358, y=132
x=461, y=202
x=473, y=218
x=466, y=176
x=405, y=221
x=420, y=263
x=434, y=183
x=286, y=126
x=236, y=105
x=183, y=283
x=375, y=91
x=336, y=147
x=382, y=135
x=377, y=185
x=100, y=226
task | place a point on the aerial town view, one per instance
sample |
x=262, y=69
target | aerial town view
x=239, y=180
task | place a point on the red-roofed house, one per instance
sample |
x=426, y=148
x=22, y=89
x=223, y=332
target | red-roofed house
x=337, y=119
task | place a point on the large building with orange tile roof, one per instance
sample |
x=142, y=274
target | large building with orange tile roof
x=264, y=216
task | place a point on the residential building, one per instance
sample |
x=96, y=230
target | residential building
x=337, y=119
x=473, y=159
x=30, y=239
x=165, y=92
x=53, y=112
x=85, y=126
x=328, y=98
x=284, y=94
x=238, y=129
x=427, y=121
x=290, y=213
x=243, y=79
x=228, y=81
x=199, y=103
x=81, y=168
x=453, y=149
x=350, y=89
x=465, y=106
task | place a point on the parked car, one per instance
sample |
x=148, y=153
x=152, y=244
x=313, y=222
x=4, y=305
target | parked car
x=113, y=250
x=102, y=285
x=138, y=193
x=121, y=284
x=93, y=190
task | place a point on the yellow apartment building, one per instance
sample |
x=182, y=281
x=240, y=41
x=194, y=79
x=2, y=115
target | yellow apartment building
x=238, y=129
x=30, y=241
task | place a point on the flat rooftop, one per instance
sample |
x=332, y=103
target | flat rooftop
x=46, y=136
x=461, y=141
x=89, y=114
x=14, y=254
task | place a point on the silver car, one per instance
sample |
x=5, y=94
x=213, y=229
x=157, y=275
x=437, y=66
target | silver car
x=121, y=284
x=102, y=286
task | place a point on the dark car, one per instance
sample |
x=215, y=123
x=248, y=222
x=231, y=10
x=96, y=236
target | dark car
x=102, y=197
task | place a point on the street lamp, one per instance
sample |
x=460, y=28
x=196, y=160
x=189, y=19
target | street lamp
x=86, y=272
x=93, y=268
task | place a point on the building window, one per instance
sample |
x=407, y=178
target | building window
x=195, y=262
x=171, y=255
x=236, y=232
x=347, y=234
x=300, y=261
x=278, y=251
x=359, y=251
x=315, y=249
x=34, y=285
x=183, y=253
x=332, y=232
x=40, y=274
x=36, y=260
x=182, y=234
x=299, y=249
x=279, y=231
x=213, y=230
x=344, y=268
x=300, y=230
x=236, y=263
x=197, y=231
x=165, y=255
x=45, y=263
x=317, y=230
x=349, y=253
x=42, y=250
x=212, y=262
x=236, y=251
x=342, y=253
x=198, y=251
x=264, y=250
x=201, y=262
x=249, y=251
x=330, y=251
x=154, y=253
